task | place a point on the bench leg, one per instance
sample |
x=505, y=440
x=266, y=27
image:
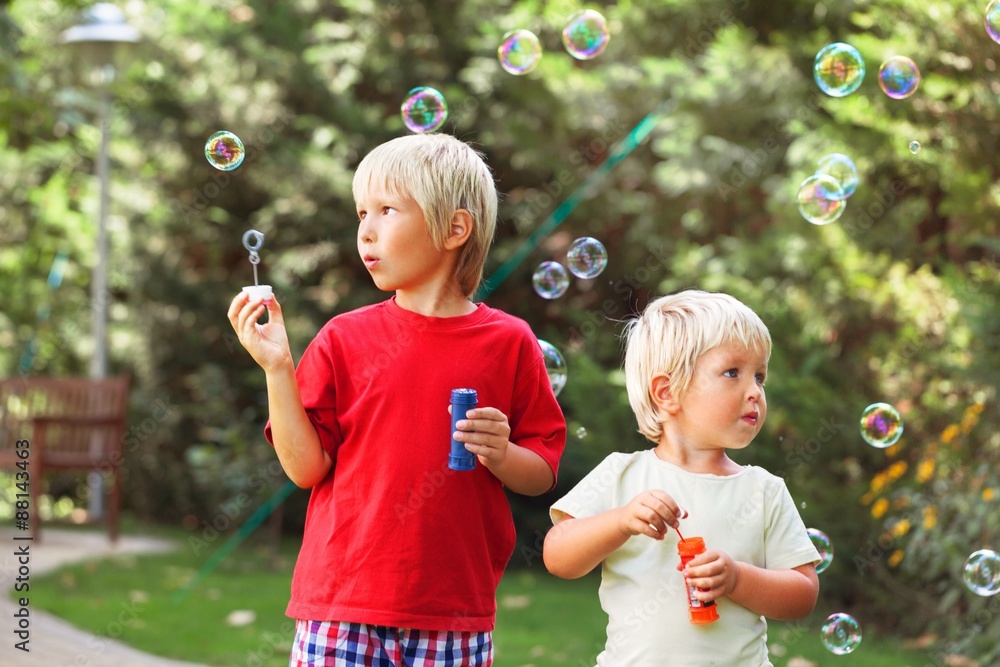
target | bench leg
x=113, y=502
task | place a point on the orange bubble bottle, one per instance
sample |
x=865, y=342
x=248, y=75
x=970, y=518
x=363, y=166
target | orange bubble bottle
x=701, y=612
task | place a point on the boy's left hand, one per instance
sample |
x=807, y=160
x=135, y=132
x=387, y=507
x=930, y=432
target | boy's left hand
x=714, y=573
x=486, y=434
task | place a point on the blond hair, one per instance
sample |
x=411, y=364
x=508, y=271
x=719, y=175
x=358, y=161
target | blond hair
x=670, y=335
x=441, y=174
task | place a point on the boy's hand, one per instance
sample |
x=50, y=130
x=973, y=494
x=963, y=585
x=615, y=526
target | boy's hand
x=714, y=573
x=650, y=513
x=266, y=343
x=485, y=433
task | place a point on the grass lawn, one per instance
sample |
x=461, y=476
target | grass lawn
x=148, y=603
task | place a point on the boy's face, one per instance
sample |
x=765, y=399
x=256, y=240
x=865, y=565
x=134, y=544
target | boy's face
x=724, y=406
x=395, y=244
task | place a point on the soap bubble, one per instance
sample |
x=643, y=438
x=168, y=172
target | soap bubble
x=550, y=280
x=821, y=199
x=898, y=77
x=841, y=634
x=839, y=69
x=881, y=425
x=519, y=52
x=993, y=20
x=581, y=433
x=982, y=572
x=555, y=365
x=424, y=109
x=586, y=34
x=823, y=546
x=841, y=168
x=224, y=151
x=915, y=145
x=586, y=257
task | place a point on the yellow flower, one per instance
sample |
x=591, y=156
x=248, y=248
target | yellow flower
x=930, y=517
x=878, y=482
x=989, y=494
x=895, y=558
x=896, y=470
x=949, y=434
x=880, y=507
x=901, y=528
x=867, y=498
x=976, y=408
x=925, y=470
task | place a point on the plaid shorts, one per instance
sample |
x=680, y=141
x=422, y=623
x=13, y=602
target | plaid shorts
x=334, y=644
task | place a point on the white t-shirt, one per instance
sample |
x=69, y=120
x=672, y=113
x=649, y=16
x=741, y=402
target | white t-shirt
x=749, y=515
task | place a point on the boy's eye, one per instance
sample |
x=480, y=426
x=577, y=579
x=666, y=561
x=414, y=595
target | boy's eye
x=760, y=379
x=362, y=214
x=731, y=373
x=386, y=209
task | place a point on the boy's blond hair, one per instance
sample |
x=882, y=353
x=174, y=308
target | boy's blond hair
x=441, y=174
x=670, y=335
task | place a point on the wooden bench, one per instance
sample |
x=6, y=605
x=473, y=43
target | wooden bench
x=70, y=424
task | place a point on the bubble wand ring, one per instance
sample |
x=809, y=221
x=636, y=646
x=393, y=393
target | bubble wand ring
x=254, y=241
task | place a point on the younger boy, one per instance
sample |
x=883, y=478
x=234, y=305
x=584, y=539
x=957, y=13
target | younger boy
x=401, y=556
x=695, y=365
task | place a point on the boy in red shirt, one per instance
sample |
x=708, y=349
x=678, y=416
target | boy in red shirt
x=401, y=556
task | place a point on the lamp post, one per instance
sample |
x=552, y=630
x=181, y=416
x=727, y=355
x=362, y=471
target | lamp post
x=99, y=40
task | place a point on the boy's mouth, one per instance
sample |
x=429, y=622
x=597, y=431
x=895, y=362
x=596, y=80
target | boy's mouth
x=751, y=417
x=370, y=261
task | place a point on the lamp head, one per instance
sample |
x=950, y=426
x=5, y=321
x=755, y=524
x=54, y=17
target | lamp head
x=99, y=37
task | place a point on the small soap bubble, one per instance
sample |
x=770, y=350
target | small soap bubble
x=839, y=69
x=881, y=425
x=993, y=20
x=224, y=151
x=823, y=546
x=550, y=280
x=915, y=145
x=982, y=572
x=898, y=77
x=586, y=257
x=841, y=168
x=519, y=52
x=424, y=110
x=821, y=199
x=581, y=433
x=841, y=634
x=555, y=365
x=586, y=34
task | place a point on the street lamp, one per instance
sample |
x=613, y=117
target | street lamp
x=99, y=41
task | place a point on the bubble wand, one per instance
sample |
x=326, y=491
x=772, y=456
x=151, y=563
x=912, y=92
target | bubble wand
x=254, y=241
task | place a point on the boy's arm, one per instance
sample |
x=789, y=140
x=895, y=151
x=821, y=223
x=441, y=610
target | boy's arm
x=783, y=595
x=523, y=471
x=295, y=439
x=574, y=547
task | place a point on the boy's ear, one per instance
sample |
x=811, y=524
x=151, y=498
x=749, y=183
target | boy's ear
x=459, y=229
x=663, y=394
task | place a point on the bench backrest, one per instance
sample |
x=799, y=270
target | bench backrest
x=80, y=420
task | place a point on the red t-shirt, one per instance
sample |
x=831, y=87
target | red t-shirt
x=392, y=535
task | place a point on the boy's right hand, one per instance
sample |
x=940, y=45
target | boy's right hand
x=650, y=513
x=266, y=343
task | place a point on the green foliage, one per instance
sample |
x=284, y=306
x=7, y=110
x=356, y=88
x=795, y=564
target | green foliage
x=896, y=301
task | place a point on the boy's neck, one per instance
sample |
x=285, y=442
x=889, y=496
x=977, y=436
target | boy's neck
x=449, y=304
x=710, y=461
